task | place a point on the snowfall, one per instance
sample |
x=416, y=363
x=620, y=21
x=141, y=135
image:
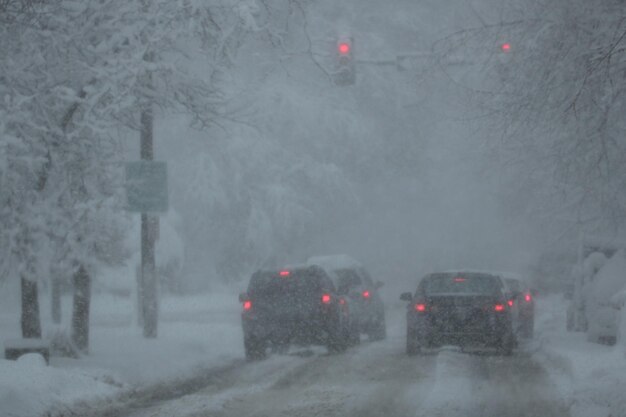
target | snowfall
x=201, y=333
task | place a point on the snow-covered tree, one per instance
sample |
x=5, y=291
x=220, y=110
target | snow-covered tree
x=74, y=73
x=555, y=102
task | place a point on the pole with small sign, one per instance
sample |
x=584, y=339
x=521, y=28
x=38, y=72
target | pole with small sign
x=146, y=193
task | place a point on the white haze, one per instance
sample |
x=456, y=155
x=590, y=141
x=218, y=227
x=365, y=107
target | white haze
x=393, y=171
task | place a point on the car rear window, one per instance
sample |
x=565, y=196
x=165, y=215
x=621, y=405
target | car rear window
x=347, y=279
x=285, y=284
x=513, y=284
x=461, y=283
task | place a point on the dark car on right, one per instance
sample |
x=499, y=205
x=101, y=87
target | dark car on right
x=459, y=308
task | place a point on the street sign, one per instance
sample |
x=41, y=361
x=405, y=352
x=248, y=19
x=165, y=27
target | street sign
x=146, y=187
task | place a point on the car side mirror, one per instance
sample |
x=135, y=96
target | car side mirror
x=243, y=297
x=406, y=296
x=378, y=284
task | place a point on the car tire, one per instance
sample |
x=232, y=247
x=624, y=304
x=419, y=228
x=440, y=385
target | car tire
x=355, y=335
x=570, y=321
x=280, y=348
x=337, y=341
x=506, y=345
x=528, y=329
x=254, y=347
x=412, y=345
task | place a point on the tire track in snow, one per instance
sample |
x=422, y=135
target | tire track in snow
x=458, y=380
x=373, y=380
x=470, y=385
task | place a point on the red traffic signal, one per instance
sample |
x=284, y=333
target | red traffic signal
x=344, y=48
x=506, y=47
x=344, y=71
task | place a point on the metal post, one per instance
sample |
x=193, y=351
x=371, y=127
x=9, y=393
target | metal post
x=149, y=302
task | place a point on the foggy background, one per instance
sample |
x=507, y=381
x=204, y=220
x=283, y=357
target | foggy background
x=448, y=152
x=395, y=171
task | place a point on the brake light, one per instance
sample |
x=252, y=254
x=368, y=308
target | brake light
x=510, y=302
x=459, y=279
x=499, y=307
x=342, y=301
x=528, y=298
x=284, y=273
x=247, y=305
x=420, y=307
x=366, y=294
x=326, y=298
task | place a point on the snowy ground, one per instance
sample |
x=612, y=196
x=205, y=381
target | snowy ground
x=374, y=379
x=195, y=334
x=591, y=377
x=195, y=368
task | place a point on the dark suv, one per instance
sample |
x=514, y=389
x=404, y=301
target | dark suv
x=293, y=306
x=459, y=308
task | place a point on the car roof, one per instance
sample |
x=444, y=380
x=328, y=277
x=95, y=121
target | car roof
x=292, y=268
x=467, y=271
x=334, y=262
x=510, y=275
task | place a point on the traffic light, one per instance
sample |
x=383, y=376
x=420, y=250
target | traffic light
x=505, y=62
x=344, y=48
x=345, y=71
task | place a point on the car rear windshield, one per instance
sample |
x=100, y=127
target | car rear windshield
x=288, y=284
x=347, y=279
x=513, y=284
x=462, y=283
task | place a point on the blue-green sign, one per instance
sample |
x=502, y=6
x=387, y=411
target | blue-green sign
x=146, y=186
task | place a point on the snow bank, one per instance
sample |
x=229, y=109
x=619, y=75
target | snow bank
x=610, y=279
x=591, y=376
x=30, y=388
x=602, y=316
x=196, y=333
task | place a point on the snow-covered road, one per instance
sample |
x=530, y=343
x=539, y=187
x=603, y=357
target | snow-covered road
x=374, y=379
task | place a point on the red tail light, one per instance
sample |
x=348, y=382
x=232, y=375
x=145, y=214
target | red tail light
x=284, y=273
x=342, y=301
x=510, y=302
x=247, y=305
x=528, y=298
x=420, y=307
x=366, y=294
x=326, y=298
x=499, y=307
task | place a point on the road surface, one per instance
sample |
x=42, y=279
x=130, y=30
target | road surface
x=374, y=379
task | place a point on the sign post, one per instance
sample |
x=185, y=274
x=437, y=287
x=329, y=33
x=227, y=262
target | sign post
x=146, y=193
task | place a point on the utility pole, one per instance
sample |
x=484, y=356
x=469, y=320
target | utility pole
x=148, y=308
